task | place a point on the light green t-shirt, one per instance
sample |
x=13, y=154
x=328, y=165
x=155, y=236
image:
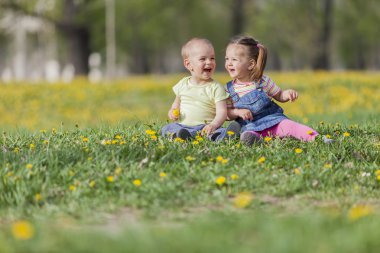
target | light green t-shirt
x=198, y=101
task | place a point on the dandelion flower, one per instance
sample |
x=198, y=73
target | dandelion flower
x=37, y=197
x=32, y=146
x=243, y=199
x=297, y=171
x=346, y=134
x=195, y=142
x=310, y=132
x=150, y=132
x=234, y=176
x=179, y=140
x=219, y=158
x=118, y=137
x=153, y=137
x=91, y=183
x=175, y=113
x=137, y=182
x=377, y=172
x=261, y=159
x=85, y=139
x=198, y=138
x=298, y=151
x=220, y=180
x=118, y=171
x=328, y=136
x=327, y=166
x=230, y=133
x=29, y=166
x=190, y=158
x=22, y=230
x=72, y=188
x=162, y=174
x=359, y=211
x=113, y=142
x=267, y=139
x=110, y=179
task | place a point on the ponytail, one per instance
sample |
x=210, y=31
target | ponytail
x=261, y=61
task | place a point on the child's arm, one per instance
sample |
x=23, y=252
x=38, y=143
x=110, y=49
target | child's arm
x=174, y=110
x=286, y=95
x=220, y=117
x=234, y=113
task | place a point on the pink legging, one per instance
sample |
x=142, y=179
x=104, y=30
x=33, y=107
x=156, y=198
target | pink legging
x=289, y=128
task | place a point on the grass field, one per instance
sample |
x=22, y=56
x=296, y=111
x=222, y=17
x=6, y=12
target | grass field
x=83, y=169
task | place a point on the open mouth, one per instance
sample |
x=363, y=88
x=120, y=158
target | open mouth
x=208, y=70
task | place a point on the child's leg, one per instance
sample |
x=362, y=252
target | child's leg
x=170, y=130
x=289, y=128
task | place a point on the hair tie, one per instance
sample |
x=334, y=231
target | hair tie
x=258, y=45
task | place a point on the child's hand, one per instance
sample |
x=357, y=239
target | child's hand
x=209, y=129
x=245, y=114
x=173, y=114
x=290, y=95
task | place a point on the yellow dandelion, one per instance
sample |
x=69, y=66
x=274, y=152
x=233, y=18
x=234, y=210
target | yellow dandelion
x=377, y=172
x=46, y=142
x=113, y=142
x=150, y=132
x=327, y=166
x=224, y=161
x=220, y=180
x=118, y=171
x=43, y=131
x=378, y=177
x=346, y=134
x=162, y=174
x=178, y=140
x=219, y=158
x=175, y=113
x=243, y=199
x=91, y=184
x=16, y=150
x=359, y=211
x=110, y=179
x=32, y=146
x=37, y=197
x=234, y=176
x=230, y=133
x=190, y=158
x=298, y=151
x=199, y=138
x=137, y=182
x=310, y=132
x=267, y=139
x=22, y=230
x=118, y=137
x=261, y=159
x=72, y=188
x=297, y=171
x=153, y=137
x=328, y=136
x=10, y=173
x=29, y=166
x=90, y=158
x=195, y=142
x=122, y=142
x=85, y=139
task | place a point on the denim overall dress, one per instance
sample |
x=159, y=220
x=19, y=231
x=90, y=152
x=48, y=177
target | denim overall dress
x=265, y=112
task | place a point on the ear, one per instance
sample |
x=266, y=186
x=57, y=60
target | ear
x=187, y=64
x=252, y=64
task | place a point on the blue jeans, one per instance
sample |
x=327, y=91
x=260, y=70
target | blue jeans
x=172, y=129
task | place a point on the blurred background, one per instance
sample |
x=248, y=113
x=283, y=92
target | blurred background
x=60, y=39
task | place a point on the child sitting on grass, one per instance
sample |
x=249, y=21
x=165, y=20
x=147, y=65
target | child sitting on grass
x=200, y=102
x=252, y=92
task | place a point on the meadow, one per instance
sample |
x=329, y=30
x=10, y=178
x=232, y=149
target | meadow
x=84, y=169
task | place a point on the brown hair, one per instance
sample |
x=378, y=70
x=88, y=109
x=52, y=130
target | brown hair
x=186, y=47
x=256, y=51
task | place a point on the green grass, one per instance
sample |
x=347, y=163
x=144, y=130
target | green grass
x=312, y=205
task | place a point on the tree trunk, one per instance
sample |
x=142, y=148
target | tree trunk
x=238, y=17
x=322, y=59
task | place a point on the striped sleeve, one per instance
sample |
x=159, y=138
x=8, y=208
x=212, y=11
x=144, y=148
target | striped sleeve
x=269, y=86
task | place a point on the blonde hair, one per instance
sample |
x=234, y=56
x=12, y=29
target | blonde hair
x=187, y=46
x=256, y=51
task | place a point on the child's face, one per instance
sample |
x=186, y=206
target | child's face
x=201, y=61
x=238, y=63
